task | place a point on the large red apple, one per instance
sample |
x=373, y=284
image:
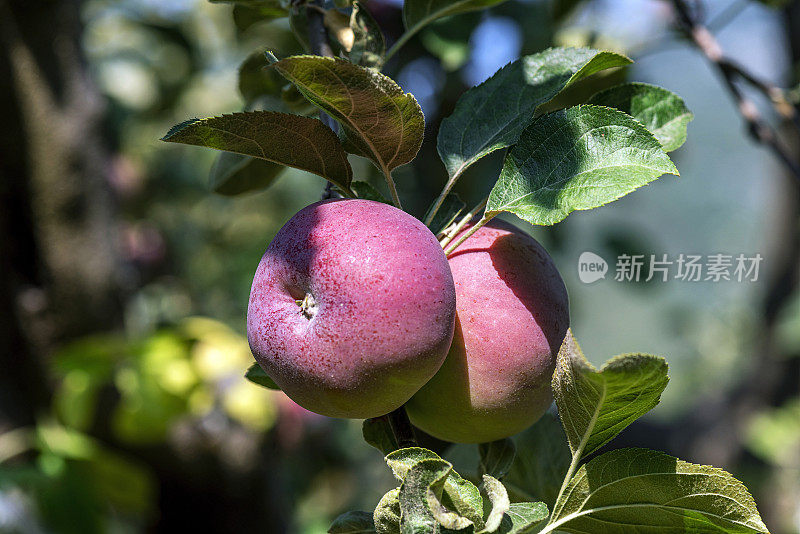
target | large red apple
x=512, y=315
x=352, y=308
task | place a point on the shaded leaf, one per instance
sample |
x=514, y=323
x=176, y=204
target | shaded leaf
x=387, y=514
x=497, y=457
x=498, y=498
x=378, y=433
x=379, y=120
x=595, y=406
x=246, y=16
x=522, y=516
x=576, y=159
x=352, y=523
x=661, y=111
x=639, y=490
x=418, y=13
x=459, y=494
x=366, y=191
x=255, y=80
x=291, y=140
x=369, y=45
x=451, y=207
x=492, y=115
x=234, y=174
x=256, y=375
x=542, y=460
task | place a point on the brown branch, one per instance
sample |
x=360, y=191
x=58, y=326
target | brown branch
x=758, y=128
x=401, y=428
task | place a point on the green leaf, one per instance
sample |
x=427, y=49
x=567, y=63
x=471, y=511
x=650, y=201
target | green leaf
x=256, y=375
x=281, y=138
x=459, y=494
x=497, y=457
x=369, y=46
x=418, y=492
x=366, y=191
x=451, y=207
x=639, y=490
x=379, y=120
x=661, y=111
x=576, y=159
x=387, y=514
x=542, y=460
x=449, y=39
x=418, y=13
x=378, y=433
x=492, y=115
x=352, y=523
x=498, y=497
x=234, y=174
x=255, y=80
x=246, y=16
x=595, y=406
x=522, y=517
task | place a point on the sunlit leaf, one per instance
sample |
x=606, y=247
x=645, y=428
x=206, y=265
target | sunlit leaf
x=379, y=120
x=576, y=159
x=387, y=514
x=639, y=490
x=595, y=406
x=498, y=497
x=459, y=494
x=661, y=111
x=522, y=517
x=492, y=115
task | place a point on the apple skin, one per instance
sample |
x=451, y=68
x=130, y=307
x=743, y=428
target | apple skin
x=512, y=316
x=383, y=313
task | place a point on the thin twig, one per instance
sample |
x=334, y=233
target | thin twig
x=321, y=46
x=759, y=129
x=478, y=225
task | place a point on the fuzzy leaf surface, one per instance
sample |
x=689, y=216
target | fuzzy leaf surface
x=492, y=115
x=640, y=490
x=576, y=159
x=661, y=111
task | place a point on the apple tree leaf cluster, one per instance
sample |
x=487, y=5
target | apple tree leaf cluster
x=558, y=159
x=623, y=490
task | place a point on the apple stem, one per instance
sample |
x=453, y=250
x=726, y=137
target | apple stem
x=485, y=219
x=453, y=231
x=392, y=189
x=440, y=199
x=401, y=428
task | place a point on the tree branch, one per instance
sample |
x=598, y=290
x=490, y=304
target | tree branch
x=758, y=128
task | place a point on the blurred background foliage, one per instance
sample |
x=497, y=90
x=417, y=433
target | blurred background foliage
x=126, y=278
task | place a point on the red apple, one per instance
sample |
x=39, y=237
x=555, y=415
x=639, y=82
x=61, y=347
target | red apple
x=512, y=315
x=352, y=308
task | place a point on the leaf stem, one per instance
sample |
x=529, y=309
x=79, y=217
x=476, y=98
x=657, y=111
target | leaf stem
x=450, y=234
x=392, y=188
x=401, y=428
x=485, y=219
x=440, y=199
